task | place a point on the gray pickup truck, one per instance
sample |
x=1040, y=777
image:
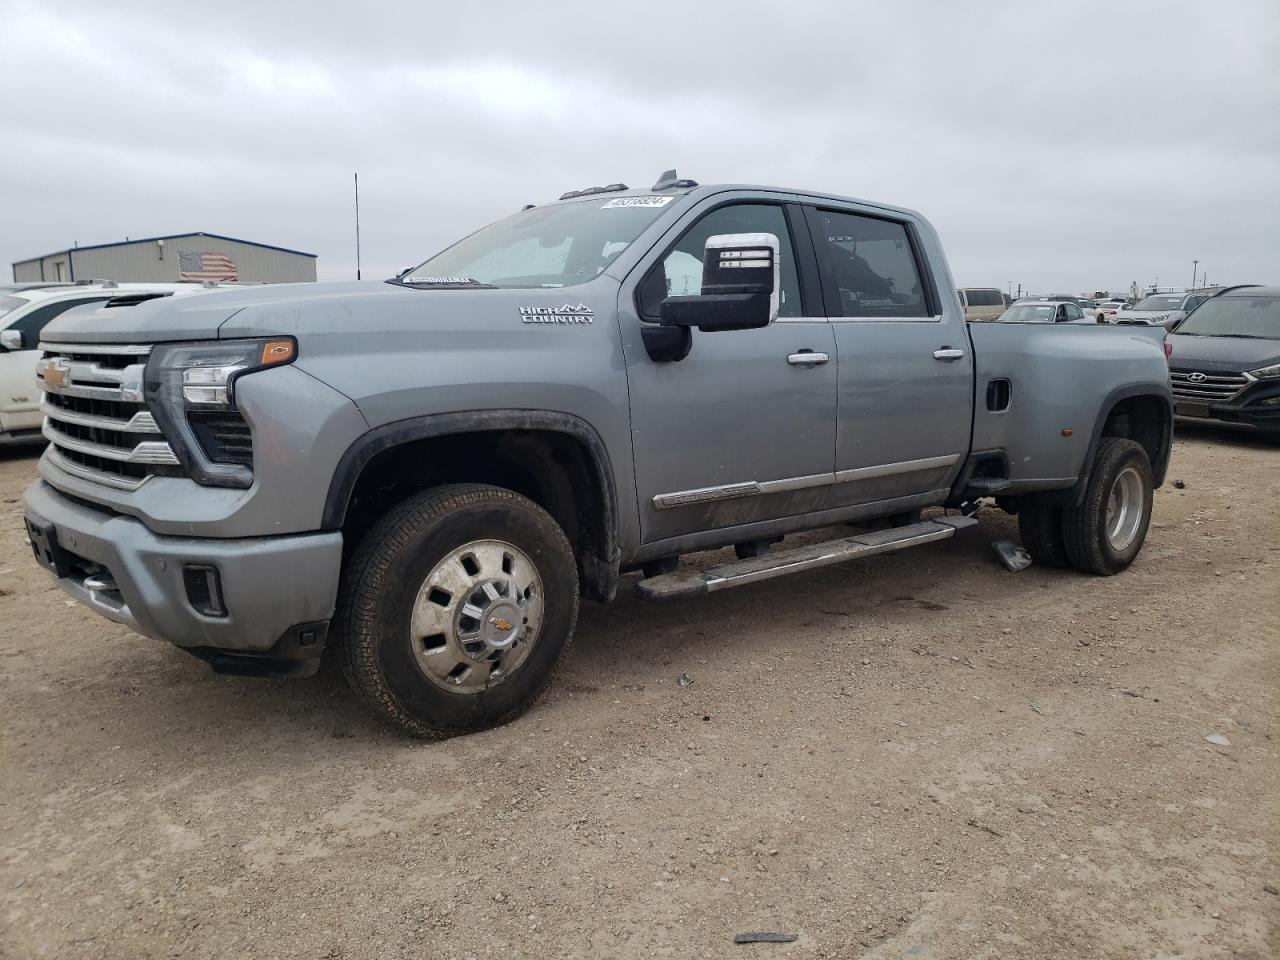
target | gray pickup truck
x=419, y=478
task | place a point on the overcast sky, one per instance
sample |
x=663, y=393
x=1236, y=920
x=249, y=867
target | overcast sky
x=1073, y=145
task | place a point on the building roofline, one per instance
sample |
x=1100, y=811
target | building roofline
x=169, y=236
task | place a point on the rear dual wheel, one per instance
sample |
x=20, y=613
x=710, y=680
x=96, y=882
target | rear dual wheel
x=456, y=609
x=1105, y=533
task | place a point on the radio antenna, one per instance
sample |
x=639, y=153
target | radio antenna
x=356, y=177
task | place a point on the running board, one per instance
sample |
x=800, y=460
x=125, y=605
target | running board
x=682, y=585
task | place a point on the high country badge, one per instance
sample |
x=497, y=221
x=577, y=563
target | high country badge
x=567, y=313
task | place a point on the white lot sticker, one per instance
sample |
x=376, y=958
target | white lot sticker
x=637, y=202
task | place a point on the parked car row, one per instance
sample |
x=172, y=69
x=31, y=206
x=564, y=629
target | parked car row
x=1163, y=309
x=1046, y=311
x=1224, y=346
x=1159, y=309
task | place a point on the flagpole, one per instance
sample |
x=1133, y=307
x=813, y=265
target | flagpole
x=357, y=186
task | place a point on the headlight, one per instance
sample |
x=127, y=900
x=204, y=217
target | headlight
x=1266, y=372
x=190, y=388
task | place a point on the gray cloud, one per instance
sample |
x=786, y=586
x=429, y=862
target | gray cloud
x=1075, y=146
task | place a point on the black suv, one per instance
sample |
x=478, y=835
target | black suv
x=1225, y=365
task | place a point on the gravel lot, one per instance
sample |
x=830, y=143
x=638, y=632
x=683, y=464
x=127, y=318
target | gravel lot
x=916, y=756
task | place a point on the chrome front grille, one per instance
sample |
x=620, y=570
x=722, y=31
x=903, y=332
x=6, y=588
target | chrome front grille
x=1207, y=387
x=95, y=416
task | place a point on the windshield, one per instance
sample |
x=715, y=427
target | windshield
x=1235, y=317
x=1029, y=313
x=9, y=304
x=1161, y=302
x=555, y=246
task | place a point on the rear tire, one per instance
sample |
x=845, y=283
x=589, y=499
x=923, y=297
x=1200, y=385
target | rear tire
x=455, y=609
x=1105, y=533
x=1040, y=527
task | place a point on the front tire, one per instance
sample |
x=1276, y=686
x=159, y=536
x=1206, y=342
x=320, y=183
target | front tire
x=1105, y=533
x=456, y=608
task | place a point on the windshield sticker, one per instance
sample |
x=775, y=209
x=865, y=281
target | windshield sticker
x=636, y=202
x=563, y=314
x=439, y=280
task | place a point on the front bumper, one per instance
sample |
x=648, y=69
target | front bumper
x=1247, y=411
x=278, y=592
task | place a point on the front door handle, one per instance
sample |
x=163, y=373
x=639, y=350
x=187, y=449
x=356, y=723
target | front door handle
x=807, y=358
x=947, y=353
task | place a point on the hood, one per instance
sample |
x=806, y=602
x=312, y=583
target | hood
x=205, y=314
x=1225, y=354
x=326, y=316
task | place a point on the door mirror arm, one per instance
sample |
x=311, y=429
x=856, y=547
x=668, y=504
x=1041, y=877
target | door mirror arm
x=666, y=344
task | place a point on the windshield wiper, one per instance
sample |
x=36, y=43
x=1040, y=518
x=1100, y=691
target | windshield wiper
x=1243, y=336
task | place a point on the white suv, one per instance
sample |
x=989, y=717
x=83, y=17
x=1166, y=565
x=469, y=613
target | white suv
x=23, y=314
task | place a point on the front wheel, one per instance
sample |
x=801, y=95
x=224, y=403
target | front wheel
x=1105, y=533
x=456, y=608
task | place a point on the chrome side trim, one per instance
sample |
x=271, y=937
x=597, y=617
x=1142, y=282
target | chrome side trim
x=935, y=319
x=891, y=469
x=736, y=491
x=94, y=476
x=756, y=488
x=685, y=498
x=796, y=483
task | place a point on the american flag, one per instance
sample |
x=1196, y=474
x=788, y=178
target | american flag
x=205, y=266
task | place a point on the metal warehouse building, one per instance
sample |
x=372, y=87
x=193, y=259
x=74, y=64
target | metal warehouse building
x=182, y=256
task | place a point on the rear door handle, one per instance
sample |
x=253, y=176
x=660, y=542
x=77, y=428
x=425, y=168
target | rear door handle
x=947, y=353
x=807, y=358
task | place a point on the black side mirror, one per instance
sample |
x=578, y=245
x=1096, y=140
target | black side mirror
x=739, y=286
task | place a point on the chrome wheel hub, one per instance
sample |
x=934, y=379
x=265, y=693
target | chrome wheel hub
x=477, y=616
x=1125, y=505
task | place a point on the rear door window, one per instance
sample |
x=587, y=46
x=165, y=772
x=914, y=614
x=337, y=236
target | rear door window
x=869, y=266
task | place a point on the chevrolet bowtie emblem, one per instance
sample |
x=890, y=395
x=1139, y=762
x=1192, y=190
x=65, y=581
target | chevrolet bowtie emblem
x=55, y=374
x=501, y=623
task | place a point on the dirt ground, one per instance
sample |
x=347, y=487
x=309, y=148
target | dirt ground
x=917, y=756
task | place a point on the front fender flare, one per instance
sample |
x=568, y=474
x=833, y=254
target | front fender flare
x=603, y=576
